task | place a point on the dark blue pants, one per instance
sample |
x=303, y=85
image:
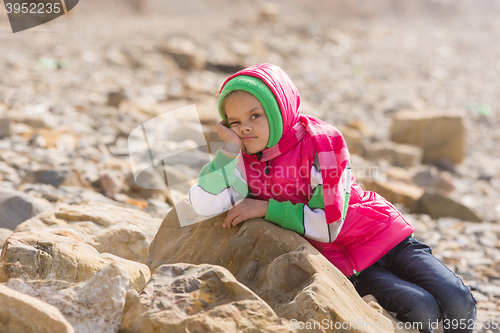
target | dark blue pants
x=419, y=288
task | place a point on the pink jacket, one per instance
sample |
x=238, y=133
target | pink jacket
x=372, y=226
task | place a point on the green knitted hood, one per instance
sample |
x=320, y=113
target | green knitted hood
x=263, y=93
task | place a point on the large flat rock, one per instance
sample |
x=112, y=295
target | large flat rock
x=124, y=232
x=278, y=265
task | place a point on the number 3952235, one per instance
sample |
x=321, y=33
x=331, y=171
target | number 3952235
x=33, y=8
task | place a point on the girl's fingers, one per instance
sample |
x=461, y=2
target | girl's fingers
x=236, y=221
x=231, y=221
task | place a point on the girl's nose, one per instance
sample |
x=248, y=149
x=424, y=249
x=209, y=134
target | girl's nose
x=245, y=128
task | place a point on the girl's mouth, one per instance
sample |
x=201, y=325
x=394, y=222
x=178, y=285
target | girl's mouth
x=249, y=138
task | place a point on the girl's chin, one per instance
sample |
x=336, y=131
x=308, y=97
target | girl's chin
x=252, y=150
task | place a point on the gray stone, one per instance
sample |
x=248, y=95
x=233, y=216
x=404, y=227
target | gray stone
x=111, y=182
x=437, y=204
x=186, y=54
x=429, y=176
x=57, y=177
x=17, y=207
x=355, y=140
x=115, y=98
x=5, y=127
x=397, y=154
x=439, y=134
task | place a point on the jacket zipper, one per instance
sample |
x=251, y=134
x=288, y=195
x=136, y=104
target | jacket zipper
x=259, y=157
x=347, y=258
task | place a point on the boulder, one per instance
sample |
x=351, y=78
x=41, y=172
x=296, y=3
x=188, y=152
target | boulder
x=270, y=12
x=398, y=174
x=57, y=177
x=396, y=154
x=430, y=177
x=439, y=134
x=438, y=204
x=61, y=139
x=139, y=273
x=363, y=169
x=149, y=181
x=203, y=298
x=278, y=265
x=111, y=182
x=8, y=173
x=121, y=231
x=95, y=305
x=394, y=191
x=23, y=313
x=186, y=54
x=355, y=140
x=115, y=98
x=45, y=256
x=17, y=207
x=5, y=127
x=4, y=234
x=35, y=117
x=361, y=126
x=178, y=179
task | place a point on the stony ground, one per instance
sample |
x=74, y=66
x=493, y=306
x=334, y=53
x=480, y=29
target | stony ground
x=59, y=77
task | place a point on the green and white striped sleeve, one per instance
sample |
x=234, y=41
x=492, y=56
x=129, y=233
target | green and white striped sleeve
x=220, y=186
x=309, y=220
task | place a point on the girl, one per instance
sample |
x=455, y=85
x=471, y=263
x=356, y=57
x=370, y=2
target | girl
x=298, y=176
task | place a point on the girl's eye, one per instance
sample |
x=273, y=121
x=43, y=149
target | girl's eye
x=234, y=123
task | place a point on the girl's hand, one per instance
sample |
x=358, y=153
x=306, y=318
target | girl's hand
x=247, y=209
x=228, y=135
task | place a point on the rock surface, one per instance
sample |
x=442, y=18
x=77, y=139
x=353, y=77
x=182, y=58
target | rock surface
x=39, y=256
x=437, y=204
x=45, y=256
x=16, y=207
x=184, y=297
x=124, y=232
x=395, y=191
x=291, y=276
x=4, y=234
x=92, y=306
x=23, y=313
x=439, y=134
x=397, y=154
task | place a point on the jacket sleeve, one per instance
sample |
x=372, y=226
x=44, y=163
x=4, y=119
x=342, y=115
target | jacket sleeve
x=309, y=220
x=220, y=186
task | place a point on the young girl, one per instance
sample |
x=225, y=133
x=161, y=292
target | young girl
x=297, y=175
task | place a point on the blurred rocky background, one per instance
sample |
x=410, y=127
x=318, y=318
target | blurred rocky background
x=411, y=84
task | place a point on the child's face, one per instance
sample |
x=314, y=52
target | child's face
x=247, y=118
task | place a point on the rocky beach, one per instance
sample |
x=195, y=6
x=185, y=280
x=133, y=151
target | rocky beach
x=87, y=247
